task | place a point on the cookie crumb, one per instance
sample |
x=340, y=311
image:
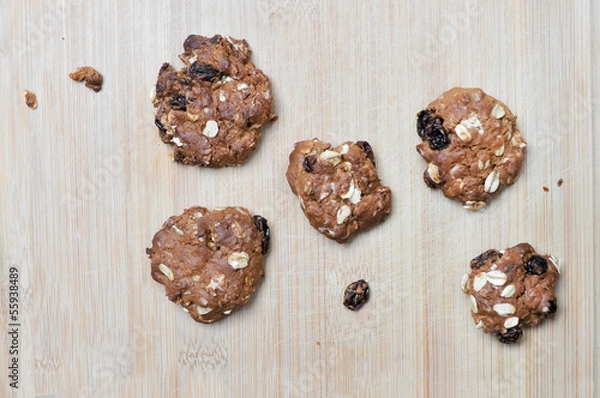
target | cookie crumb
x=559, y=183
x=30, y=99
x=356, y=295
x=546, y=189
x=93, y=78
x=318, y=343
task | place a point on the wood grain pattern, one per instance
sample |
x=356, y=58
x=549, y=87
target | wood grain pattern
x=85, y=183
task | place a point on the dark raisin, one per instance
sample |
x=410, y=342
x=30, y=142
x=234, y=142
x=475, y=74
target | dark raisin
x=179, y=102
x=552, y=307
x=160, y=126
x=438, y=138
x=431, y=129
x=423, y=119
x=536, y=265
x=204, y=72
x=512, y=335
x=480, y=260
x=308, y=163
x=148, y=251
x=356, y=294
x=261, y=224
x=366, y=148
x=184, y=81
x=193, y=42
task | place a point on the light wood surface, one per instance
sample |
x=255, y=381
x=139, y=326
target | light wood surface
x=85, y=183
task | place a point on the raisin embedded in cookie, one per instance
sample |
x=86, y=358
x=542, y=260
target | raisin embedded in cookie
x=471, y=144
x=210, y=261
x=212, y=109
x=339, y=190
x=511, y=289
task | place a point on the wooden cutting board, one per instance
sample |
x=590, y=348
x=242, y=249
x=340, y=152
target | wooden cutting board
x=85, y=183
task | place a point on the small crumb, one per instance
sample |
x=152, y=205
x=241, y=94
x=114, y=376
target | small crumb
x=560, y=182
x=62, y=38
x=93, y=78
x=30, y=99
x=318, y=343
x=546, y=189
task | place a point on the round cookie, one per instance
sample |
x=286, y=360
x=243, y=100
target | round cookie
x=210, y=262
x=339, y=190
x=212, y=109
x=511, y=289
x=471, y=144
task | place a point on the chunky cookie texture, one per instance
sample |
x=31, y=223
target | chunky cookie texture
x=471, y=144
x=511, y=289
x=339, y=190
x=212, y=109
x=210, y=262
